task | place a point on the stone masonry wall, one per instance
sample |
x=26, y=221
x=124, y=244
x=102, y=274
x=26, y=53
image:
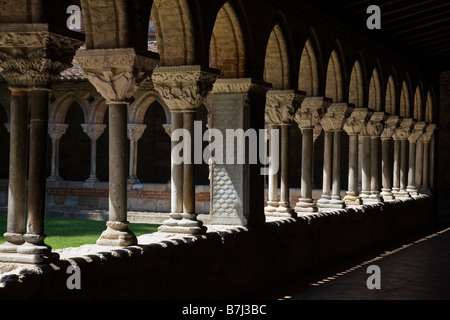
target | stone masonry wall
x=223, y=264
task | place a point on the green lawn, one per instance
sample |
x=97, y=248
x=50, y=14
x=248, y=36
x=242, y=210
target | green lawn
x=63, y=233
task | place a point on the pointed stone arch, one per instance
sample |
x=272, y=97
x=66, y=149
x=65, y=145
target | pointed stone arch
x=390, y=99
x=334, y=79
x=276, y=62
x=60, y=107
x=356, y=86
x=405, y=102
x=227, y=48
x=138, y=108
x=308, y=75
x=429, y=107
x=374, y=99
x=174, y=32
x=418, y=109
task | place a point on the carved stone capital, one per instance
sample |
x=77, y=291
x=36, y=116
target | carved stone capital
x=183, y=88
x=135, y=131
x=239, y=85
x=93, y=130
x=168, y=128
x=417, y=131
x=56, y=130
x=429, y=131
x=32, y=56
x=391, y=123
x=115, y=73
x=317, y=131
x=310, y=112
x=334, y=118
x=374, y=127
x=403, y=131
x=355, y=123
x=281, y=106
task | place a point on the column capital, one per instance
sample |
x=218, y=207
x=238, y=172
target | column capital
x=358, y=118
x=391, y=123
x=310, y=112
x=93, y=130
x=115, y=73
x=56, y=130
x=417, y=131
x=281, y=106
x=168, y=128
x=429, y=131
x=135, y=131
x=403, y=131
x=32, y=56
x=334, y=118
x=374, y=127
x=183, y=88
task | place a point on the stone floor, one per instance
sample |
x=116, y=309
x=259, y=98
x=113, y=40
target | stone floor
x=416, y=268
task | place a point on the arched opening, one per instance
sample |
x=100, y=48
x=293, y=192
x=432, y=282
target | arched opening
x=308, y=77
x=333, y=85
x=276, y=63
x=227, y=51
x=390, y=97
x=356, y=87
x=74, y=147
x=374, y=101
x=429, y=108
x=418, y=105
x=405, y=104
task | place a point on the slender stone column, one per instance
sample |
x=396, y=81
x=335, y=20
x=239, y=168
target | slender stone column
x=281, y=106
x=308, y=117
x=184, y=89
x=116, y=74
x=18, y=128
x=93, y=131
x=400, y=136
x=413, y=137
x=55, y=131
x=354, y=125
x=237, y=189
x=396, y=169
x=419, y=164
x=272, y=192
x=365, y=172
x=333, y=121
x=386, y=167
x=134, y=133
x=374, y=128
x=327, y=165
x=426, y=139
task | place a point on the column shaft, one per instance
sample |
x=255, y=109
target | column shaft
x=305, y=203
x=352, y=197
x=386, y=191
x=374, y=169
x=327, y=163
x=17, y=171
x=419, y=164
x=396, y=168
x=93, y=173
x=176, y=171
x=336, y=192
x=189, y=167
x=411, y=187
x=284, y=204
x=133, y=160
x=403, y=169
x=426, y=157
x=272, y=194
x=365, y=173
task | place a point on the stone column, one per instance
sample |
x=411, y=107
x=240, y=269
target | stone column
x=413, y=137
x=237, y=188
x=281, y=106
x=134, y=133
x=307, y=118
x=426, y=138
x=272, y=192
x=116, y=74
x=18, y=129
x=55, y=131
x=333, y=121
x=32, y=57
x=400, y=137
x=93, y=131
x=374, y=128
x=184, y=89
x=354, y=125
x=391, y=124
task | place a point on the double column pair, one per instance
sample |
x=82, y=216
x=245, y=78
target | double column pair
x=30, y=72
x=183, y=89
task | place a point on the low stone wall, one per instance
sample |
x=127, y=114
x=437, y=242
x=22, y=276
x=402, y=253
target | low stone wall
x=225, y=263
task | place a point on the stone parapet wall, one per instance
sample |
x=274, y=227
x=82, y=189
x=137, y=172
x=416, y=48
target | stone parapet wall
x=224, y=263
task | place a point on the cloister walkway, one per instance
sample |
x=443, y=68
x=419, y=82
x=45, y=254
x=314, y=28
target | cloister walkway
x=414, y=268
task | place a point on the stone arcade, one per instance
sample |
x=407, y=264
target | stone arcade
x=357, y=121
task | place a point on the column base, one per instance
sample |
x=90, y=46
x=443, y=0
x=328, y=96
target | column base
x=402, y=194
x=387, y=195
x=54, y=178
x=117, y=234
x=92, y=179
x=283, y=210
x=36, y=258
x=331, y=204
x=271, y=206
x=352, y=199
x=185, y=223
x=13, y=241
x=372, y=198
x=412, y=190
x=32, y=251
x=133, y=180
x=305, y=205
